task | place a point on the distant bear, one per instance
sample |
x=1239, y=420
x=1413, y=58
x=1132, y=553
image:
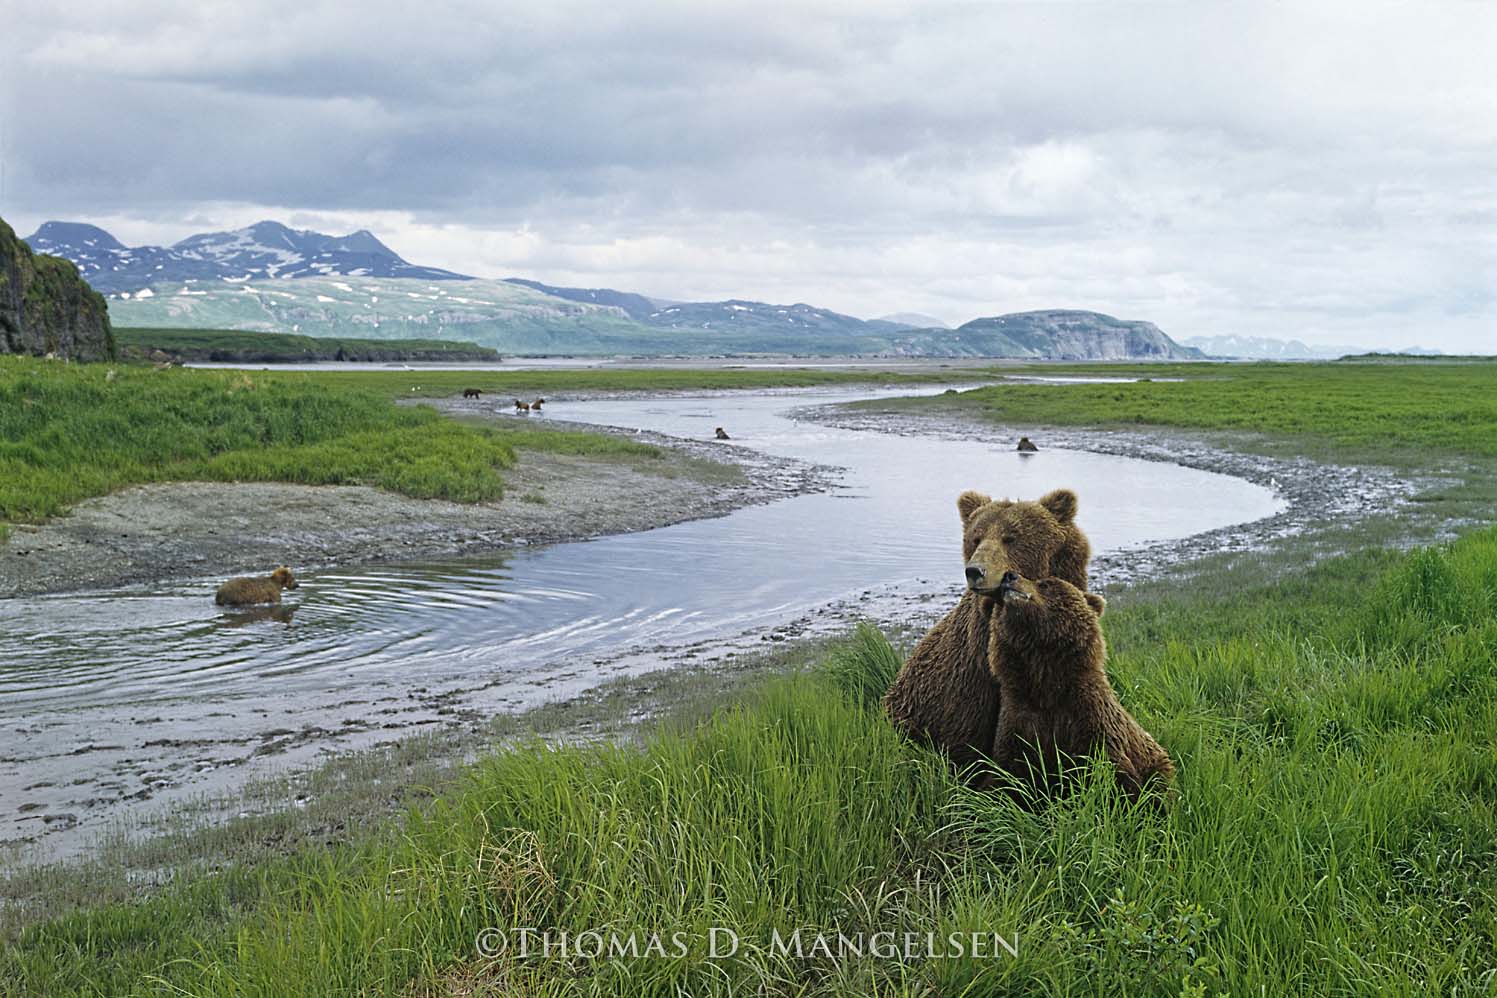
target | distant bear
x=521, y=406
x=471, y=393
x=722, y=434
x=1057, y=706
x=1026, y=446
x=536, y=405
x=247, y=590
x=945, y=693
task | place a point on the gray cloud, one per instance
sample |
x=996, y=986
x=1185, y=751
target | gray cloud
x=1323, y=172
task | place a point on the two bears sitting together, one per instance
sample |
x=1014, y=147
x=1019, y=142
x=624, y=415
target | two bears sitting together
x=1014, y=673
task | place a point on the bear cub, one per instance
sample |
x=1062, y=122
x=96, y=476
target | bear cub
x=1057, y=706
x=944, y=694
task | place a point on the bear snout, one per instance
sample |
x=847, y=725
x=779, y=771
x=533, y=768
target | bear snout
x=975, y=575
x=1010, y=588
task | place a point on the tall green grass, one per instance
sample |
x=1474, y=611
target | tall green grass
x=71, y=431
x=1335, y=832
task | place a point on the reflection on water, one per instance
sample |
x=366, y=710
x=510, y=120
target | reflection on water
x=73, y=666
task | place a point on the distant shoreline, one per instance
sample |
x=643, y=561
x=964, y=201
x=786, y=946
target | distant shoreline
x=233, y=346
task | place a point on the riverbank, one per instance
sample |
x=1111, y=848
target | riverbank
x=155, y=533
x=1320, y=498
x=118, y=476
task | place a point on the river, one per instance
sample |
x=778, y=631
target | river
x=114, y=701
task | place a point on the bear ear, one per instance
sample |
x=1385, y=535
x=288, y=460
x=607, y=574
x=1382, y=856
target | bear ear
x=1096, y=602
x=1061, y=502
x=970, y=502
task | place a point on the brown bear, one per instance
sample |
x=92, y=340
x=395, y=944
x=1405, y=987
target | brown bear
x=247, y=590
x=945, y=694
x=472, y=393
x=1057, y=706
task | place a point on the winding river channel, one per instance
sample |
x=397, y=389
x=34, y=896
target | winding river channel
x=114, y=701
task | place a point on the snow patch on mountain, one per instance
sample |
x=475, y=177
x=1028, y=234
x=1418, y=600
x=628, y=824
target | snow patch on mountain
x=263, y=250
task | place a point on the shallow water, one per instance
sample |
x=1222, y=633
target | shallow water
x=112, y=697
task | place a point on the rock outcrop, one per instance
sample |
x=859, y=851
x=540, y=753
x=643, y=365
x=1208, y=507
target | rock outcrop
x=47, y=308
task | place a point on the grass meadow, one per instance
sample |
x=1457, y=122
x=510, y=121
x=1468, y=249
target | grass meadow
x=1394, y=411
x=71, y=431
x=1335, y=830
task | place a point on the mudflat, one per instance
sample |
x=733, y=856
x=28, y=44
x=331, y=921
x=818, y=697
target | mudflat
x=190, y=529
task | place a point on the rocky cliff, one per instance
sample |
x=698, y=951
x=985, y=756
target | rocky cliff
x=46, y=307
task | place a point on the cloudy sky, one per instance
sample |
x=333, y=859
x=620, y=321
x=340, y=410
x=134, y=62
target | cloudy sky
x=1326, y=172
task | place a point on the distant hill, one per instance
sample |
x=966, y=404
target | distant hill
x=510, y=317
x=493, y=314
x=1057, y=334
x=264, y=250
x=635, y=306
x=737, y=316
x=271, y=278
x=517, y=319
x=47, y=308
x=915, y=320
x=1265, y=348
x=1269, y=348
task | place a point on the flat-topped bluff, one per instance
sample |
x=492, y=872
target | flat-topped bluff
x=46, y=307
x=1072, y=334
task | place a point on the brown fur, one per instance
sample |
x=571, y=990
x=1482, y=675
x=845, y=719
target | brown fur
x=247, y=590
x=1026, y=446
x=536, y=405
x=945, y=693
x=521, y=406
x=1057, y=706
x=722, y=434
x=471, y=393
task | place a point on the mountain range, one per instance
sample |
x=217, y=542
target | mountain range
x=271, y=278
x=1269, y=348
x=261, y=251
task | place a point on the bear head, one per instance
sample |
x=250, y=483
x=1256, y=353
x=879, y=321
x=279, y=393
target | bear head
x=1034, y=539
x=283, y=578
x=1050, y=618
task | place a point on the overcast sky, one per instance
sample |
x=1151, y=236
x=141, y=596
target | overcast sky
x=1327, y=173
